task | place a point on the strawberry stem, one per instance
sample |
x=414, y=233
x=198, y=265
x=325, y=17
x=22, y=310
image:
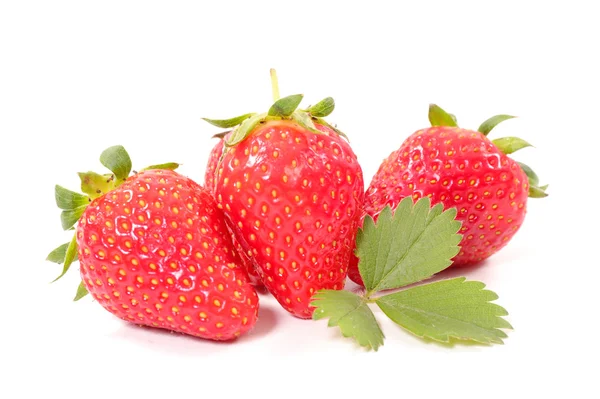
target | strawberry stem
x=274, y=85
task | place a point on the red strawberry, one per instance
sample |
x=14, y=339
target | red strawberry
x=155, y=251
x=463, y=169
x=209, y=181
x=292, y=189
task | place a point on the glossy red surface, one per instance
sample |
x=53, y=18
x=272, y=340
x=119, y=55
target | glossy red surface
x=156, y=252
x=459, y=168
x=209, y=182
x=293, y=198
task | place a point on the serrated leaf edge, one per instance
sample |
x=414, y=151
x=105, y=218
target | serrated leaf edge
x=451, y=336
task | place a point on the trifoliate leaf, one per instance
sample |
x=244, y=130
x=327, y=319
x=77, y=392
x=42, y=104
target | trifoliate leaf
x=117, y=160
x=487, y=126
x=411, y=244
x=285, y=106
x=81, y=292
x=448, y=309
x=322, y=108
x=243, y=130
x=439, y=117
x=70, y=254
x=69, y=218
x=351, y=313
x=67, y=199
x=58, y=254
x=508, y=145
x=228, y=123
x=96, y=185
x=164, y=166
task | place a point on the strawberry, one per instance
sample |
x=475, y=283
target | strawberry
x=154, y=250
x=459, y=168
x=209, y=182
x=292, y=188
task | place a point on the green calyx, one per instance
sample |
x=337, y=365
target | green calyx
x=507, y=145
x=93, y=185
x=285, y=108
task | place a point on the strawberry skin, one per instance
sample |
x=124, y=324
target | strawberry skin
x=459, y=168
x=209, y=183
x=155, y=251
x=211, y=166
x=293, y=198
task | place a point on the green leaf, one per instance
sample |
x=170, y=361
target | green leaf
x=67, y=199
x=243, y=130
x=70, y=217
x=508, y=145
x=117, y=160
x=439, y=117
x=96, y=185
x=487, y=126
x=322, y=108
x=70, y=255
x=448, y=309
x=228, y=123
x=351, y=313
x=411, y=244
x=167, y=166
x=285, y=106
x=58, y=254
x=81, y=292
x=305, y=121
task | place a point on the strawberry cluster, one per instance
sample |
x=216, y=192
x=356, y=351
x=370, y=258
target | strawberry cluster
x=281, y=205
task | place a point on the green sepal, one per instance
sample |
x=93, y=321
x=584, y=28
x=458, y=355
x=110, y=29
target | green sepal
x=229, y=123
x=117, y=160
x=508, y=145
x=285, y=106
x=221, y=135
x=70, y=217
x=304, y=120
x=439, y=117
x=351, y=313
x=448, y=309
x=243, y=130
x=535, y=190
x=534, y=180
x=487, y=126
x=96, y=185
x=323, y=108
x=335, y=129
x=59, y=253
x=163, y=166
x=70, y=255
x=67, y=199
x=81, y=292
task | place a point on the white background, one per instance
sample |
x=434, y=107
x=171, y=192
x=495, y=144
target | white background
x=77, y=77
